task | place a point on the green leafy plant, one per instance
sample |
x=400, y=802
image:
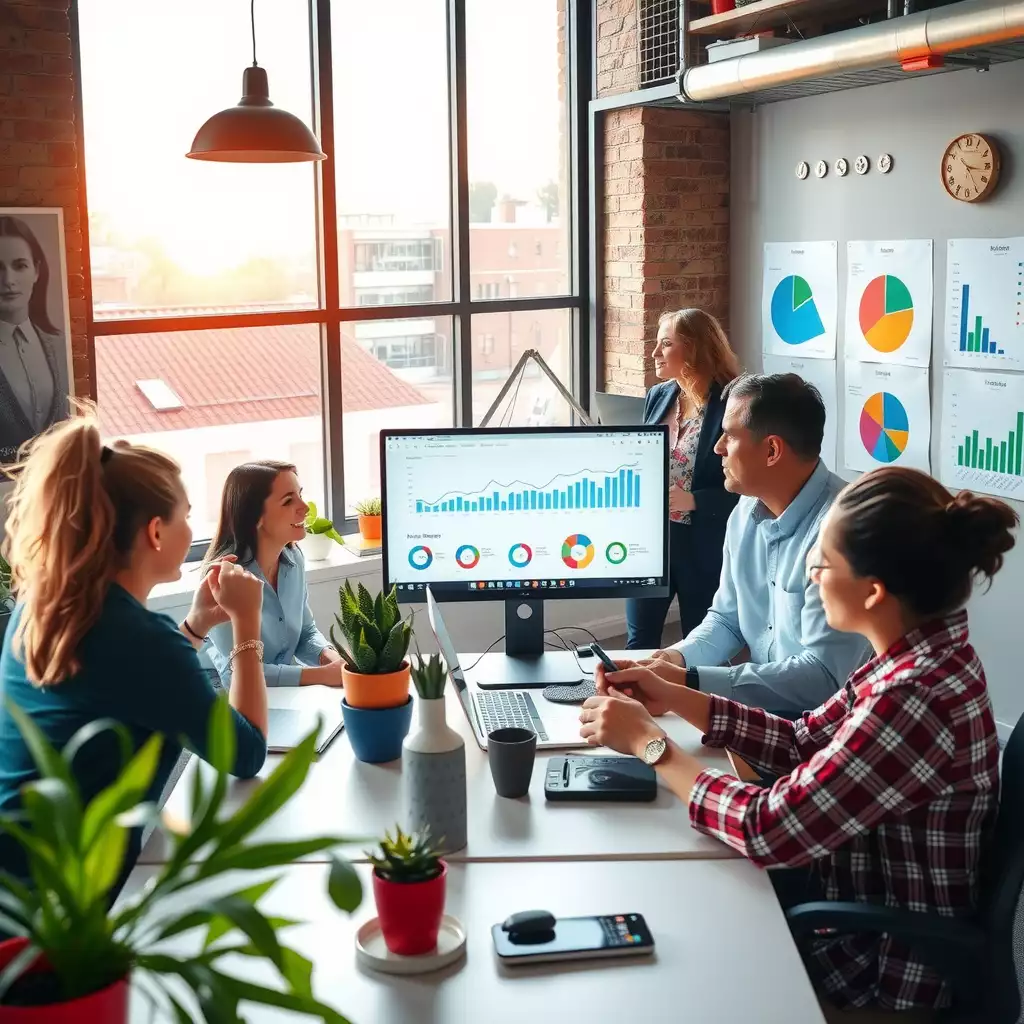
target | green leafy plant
x=317, y=524
x=6, y=597
x=429, y=676
x=369, y=507
x=406, y=858
x=377, y=638
x=75, y=856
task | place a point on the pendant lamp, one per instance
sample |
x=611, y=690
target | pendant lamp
x=255, y=131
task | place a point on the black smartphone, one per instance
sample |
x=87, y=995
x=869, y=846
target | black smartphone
x=621, y=779
x=577, y=938
x=602, y=655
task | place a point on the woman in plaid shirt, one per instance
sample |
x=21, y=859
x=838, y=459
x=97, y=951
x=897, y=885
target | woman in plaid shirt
x=888, y=791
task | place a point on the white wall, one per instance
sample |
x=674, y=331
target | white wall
x=913, y=120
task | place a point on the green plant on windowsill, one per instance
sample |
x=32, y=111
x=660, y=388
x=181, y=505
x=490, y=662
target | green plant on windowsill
x=63, y=922
x=368, y=507
x=319, y=526
x=406, y=858
x=429, y=676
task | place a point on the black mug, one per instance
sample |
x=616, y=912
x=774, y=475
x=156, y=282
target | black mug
x=511, y=753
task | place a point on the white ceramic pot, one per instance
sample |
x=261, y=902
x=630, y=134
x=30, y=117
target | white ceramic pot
x=317, y=546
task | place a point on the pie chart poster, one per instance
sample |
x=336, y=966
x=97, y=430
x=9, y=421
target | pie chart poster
x=889, y=302
x=798, y=299
x=887, y=416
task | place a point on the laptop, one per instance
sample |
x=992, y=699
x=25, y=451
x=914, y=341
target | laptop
x=557, y=725
x=618, y=410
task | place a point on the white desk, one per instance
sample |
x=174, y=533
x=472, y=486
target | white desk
x=724, y=953
x=346, y=797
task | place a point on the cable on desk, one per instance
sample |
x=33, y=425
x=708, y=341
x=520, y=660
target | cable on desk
x=490, y=647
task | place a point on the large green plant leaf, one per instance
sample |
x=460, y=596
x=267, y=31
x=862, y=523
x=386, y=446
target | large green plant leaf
x=393, y=654
x=49, y=763
x=271, y=855
x=89, y=732
x=221, y=741
x=103, y=861
x=125, y=792
x=365, y=656
x=344, y=886
x=365, y=601
x=221, y=925
x=54, y=813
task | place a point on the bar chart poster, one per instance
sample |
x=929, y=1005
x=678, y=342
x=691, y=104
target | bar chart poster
x=822, y=374
x=799, y=299
x=985, y=303
x=983, y=432
x=887, y=416
x=889, y=301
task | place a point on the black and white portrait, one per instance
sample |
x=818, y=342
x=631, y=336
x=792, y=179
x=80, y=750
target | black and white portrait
x=35, y=352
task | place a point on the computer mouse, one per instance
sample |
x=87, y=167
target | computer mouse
x=576, y=694
x=529, y=922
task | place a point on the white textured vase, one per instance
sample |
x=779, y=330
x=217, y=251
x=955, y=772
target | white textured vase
x=317, y=546
x=434, y=777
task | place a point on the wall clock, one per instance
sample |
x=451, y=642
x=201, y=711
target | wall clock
x=970, y=168
x=842, y=166
x=821, y=168
x=802, y=170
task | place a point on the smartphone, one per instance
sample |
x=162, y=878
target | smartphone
x=577, y=938
x=603, y=657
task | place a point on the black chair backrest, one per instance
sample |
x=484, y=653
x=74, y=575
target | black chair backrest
x=1003, y=879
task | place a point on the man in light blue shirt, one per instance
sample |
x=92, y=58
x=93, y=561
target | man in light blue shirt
x=770, y=447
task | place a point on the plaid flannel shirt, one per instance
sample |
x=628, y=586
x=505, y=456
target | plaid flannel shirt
x=889, y=789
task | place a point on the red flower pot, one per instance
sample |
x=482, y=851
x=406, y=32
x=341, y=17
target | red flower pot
x=109, y=1005
x=410, y=913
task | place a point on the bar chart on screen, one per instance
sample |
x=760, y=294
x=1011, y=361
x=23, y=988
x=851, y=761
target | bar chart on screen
x=985, y=303
x=983, y=432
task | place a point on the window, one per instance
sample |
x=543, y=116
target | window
x=194, y=264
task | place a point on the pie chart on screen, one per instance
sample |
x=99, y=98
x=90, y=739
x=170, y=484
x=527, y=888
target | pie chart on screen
x=886, y=313
x=884, y=427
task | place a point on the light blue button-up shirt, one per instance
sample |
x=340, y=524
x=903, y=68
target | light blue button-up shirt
x=288, y=632
x=766, y=603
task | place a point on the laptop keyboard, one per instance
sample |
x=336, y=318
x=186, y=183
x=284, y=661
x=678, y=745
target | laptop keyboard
x=508, y=709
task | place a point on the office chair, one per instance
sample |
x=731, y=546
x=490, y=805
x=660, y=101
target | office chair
x=974, y=955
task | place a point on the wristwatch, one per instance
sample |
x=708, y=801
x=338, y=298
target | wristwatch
x=655, y=750
x=692, y=678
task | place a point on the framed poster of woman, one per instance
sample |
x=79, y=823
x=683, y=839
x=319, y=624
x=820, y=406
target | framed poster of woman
x=35, y=326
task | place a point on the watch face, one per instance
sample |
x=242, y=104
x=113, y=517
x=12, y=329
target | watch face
x=654, y=750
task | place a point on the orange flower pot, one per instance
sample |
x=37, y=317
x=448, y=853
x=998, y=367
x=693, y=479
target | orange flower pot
x=387, y=690
x=369, y=527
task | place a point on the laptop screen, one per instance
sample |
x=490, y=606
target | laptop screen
x=451, y=658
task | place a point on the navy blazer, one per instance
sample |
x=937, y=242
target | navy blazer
x=15, y=428
x=714, y=502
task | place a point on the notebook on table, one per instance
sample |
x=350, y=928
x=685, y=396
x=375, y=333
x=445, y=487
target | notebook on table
x=288, y=728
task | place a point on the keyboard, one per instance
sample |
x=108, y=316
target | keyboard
x=508, y=709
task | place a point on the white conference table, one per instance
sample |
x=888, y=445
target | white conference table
x=343, y=796
x=723, y=951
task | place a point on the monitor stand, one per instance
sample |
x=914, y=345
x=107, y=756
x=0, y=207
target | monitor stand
x=525, y=664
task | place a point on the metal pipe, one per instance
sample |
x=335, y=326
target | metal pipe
x=893, y=9
x=962, y=26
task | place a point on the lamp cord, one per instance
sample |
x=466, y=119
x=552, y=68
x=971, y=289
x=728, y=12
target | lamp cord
x=252, y=22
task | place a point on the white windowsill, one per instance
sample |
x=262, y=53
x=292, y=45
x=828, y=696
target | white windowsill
x=340, y=566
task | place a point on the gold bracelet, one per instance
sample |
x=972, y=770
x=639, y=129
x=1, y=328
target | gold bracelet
x=248, y=645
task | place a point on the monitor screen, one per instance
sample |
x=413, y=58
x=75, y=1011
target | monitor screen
x=498, y=513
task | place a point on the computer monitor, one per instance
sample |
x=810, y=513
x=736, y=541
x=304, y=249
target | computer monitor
x=521, y=515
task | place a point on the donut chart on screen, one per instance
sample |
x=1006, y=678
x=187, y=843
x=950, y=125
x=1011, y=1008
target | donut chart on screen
x=520, y=555
x=467, y=556
x=886, y=313
x=420, y=557
x=616, y=552
x=577, y=551
x=884, y=427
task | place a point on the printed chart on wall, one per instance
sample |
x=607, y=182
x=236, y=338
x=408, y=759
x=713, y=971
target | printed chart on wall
x=983, y=432
x=889, y=302
x=798, y=299
x=822, y=374
x=985, y=303
x=887, y=416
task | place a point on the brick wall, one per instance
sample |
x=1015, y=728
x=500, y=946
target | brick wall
x=39, y=158
x=666, y=196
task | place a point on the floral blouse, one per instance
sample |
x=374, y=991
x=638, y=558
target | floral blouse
x=682, y=458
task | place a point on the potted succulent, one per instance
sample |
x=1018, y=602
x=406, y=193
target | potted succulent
x=434, y=762
x=369, y=519
x=375, y=673
x=320, y=536
x=6, y=597
x=74, y=954
x=409, y=889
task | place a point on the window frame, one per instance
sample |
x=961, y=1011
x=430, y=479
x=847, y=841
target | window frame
x=577, y=18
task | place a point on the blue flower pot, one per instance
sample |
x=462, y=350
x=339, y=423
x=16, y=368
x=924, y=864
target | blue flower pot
x=376, y=734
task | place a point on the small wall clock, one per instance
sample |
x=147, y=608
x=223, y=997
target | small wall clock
x=970, y=167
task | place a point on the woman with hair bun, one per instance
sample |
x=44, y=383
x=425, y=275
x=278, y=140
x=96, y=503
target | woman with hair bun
x=888, y=791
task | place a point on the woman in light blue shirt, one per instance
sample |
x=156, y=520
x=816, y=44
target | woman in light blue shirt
x=261, y=518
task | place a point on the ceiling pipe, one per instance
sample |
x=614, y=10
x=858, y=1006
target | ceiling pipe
x=915, y=38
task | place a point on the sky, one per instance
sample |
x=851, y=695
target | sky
x=153, y=73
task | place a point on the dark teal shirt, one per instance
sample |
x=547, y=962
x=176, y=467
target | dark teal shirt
x=138, y=669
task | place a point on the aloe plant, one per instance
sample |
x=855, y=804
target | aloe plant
x=406, y=858
x=429, y=675
x=377, y=638
x=368, y=507
x=317, y=524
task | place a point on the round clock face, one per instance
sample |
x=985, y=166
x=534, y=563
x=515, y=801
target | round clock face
x=802, y=170
x=884, y=163
x=821, y=168
x=842, y=167
x=970, y=168
x=862, y=164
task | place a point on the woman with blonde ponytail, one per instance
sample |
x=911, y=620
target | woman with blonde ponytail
x=90, y=531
